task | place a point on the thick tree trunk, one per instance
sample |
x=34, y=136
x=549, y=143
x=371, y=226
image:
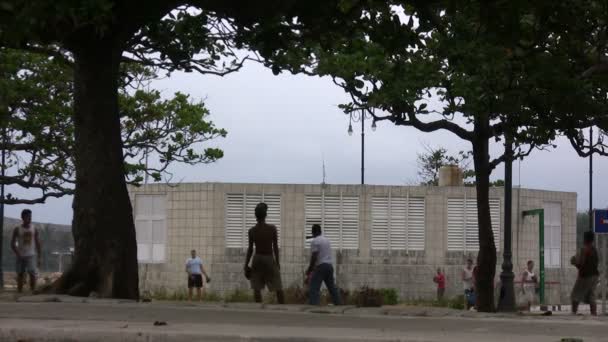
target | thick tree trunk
x=104, y=234
x=486, y=259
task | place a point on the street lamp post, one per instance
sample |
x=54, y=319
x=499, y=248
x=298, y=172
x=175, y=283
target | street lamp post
x=591, y=178
x=506, y=301
x=356, y=117
x=2, y=171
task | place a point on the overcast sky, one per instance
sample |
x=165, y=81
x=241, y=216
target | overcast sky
x=280, y=128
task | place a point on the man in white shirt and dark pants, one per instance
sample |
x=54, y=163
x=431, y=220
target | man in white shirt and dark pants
x=321, y=268
x=195, y=270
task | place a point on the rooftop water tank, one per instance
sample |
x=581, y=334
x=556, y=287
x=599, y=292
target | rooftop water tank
x=450, y=175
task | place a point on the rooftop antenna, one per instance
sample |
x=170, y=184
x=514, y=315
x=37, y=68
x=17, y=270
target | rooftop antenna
x=323, y=182
x=146, y=171
x=146, y=150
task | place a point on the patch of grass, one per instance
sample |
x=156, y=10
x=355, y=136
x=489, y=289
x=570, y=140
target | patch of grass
x=456, y=303
x=369, y=297
x=179, y=295
x=389, y=296
x=239, y=296
x=294, y=294
x=211, y=296
x=453, y=303
x=162, y=294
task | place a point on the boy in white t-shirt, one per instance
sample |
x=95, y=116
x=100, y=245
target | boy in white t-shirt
x=195, y=270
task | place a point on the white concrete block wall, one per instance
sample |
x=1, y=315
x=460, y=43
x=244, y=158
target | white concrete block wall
x=195, y=220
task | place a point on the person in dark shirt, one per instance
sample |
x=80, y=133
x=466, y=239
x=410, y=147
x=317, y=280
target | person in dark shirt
x=265, y=268
x=588, y=274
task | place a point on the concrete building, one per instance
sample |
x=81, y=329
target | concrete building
x=383, y=236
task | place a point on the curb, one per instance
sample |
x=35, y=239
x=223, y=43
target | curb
x=64, y=333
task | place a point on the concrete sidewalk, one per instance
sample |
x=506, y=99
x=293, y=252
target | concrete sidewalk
x=61, y=318
x=391, y=310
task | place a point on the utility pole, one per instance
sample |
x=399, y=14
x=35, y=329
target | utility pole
x=356, y=117
x=591, y=178
x=2, y=172
x=362, y=147
x=506, y=302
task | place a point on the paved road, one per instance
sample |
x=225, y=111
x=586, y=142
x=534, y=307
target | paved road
x=60, y=321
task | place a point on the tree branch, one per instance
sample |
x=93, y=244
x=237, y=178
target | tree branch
x=598, y=68
x=432, y=126
x=47, y=51
x=586, y=151
x=521, y=154
x=45, y=196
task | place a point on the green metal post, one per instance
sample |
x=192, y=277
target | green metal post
x=541, y=248
x=541, y=257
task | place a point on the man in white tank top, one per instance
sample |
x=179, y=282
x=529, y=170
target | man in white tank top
x=26, y=245
x=467, y=284
x=528, y=284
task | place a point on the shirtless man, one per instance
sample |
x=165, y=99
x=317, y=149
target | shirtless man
x=265, y=268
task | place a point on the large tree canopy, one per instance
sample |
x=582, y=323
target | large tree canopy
x=197, y=35
x=37, y=93
x=484, y=71
x=496, y=68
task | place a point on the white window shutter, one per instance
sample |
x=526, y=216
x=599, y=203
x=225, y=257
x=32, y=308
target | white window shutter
x=274, y=212
x=158, y=252
x=150, y=228
x=463, y=227
x=472, y=228
x=338, y=217
x=251, y=200
x=416, y=224
x=143, y=230
x=235, y=221
x=456, y=224
x=398, y=223
x=144, y=252
x=553, y=233
x=143, y=205
x=495, y=207
x=240, y=216
x=350, y=222
x=380, y=223
x=313, y=214
x=331, y=218
x=398, y=227
x=158, y=232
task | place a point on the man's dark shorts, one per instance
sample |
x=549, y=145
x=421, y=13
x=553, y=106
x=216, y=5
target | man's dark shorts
x=265, y=273
x=195, y=280
x=26, y=264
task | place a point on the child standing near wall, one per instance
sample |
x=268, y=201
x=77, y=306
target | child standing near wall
x=439, y=279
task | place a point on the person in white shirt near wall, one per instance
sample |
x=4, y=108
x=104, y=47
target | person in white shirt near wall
x=321, y=268
x=529, y=283
x=195, y=270
x=468, y=284
x=26, y=245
